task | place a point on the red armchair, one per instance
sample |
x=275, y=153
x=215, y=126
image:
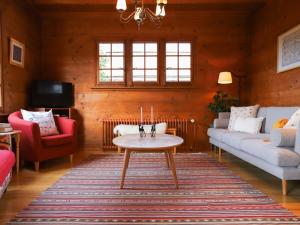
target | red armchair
x=35, y=148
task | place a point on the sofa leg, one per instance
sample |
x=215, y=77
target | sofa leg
x=37, y=166
x=71, y=158
x=284, y=186
x=220, y=154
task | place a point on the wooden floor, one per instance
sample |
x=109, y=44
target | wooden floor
x=27, y=185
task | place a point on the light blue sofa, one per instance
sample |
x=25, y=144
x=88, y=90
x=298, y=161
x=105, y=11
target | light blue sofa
x=282, y=162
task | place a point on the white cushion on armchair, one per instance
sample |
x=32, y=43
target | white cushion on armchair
x=123, y=129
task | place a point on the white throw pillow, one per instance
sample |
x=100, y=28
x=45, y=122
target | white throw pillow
x=248, y=125
x=294, y=120
x=245, y=112
x=45, y=120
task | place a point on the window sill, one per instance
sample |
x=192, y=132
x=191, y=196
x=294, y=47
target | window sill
x=160, y=88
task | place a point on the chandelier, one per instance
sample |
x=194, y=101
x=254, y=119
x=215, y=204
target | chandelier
x=141, y=13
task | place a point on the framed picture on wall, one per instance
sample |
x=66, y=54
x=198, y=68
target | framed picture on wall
x=289, y=50
x=16, y=53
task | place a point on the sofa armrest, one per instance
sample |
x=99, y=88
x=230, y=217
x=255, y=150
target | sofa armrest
x=297, y=141
x=221, y=123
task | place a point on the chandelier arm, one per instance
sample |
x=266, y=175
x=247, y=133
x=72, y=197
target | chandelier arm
x=127, y=19
x=154, y=19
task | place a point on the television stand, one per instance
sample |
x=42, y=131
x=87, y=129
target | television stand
x=66, y=112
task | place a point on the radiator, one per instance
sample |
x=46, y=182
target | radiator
x=108, y=125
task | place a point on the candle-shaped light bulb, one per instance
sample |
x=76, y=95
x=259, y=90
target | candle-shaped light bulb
x=141, y=115
x=152, y=118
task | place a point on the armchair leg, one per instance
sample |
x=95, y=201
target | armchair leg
x=284, y=186
x=71, y=158
x=37, y=166
x=119, y=150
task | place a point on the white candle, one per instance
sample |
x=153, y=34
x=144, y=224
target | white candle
x=141, y=115
x=152, y=119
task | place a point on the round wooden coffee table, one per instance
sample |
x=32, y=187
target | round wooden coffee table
x=160, y=143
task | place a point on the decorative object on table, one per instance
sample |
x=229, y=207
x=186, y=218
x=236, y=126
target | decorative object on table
x=16, y=53
x=142, y=131
x=288, y=50
x=226, y=78
x=153, y=126
x=153, y=130
x=222, y=102
x=141, y=13
x=5, y=127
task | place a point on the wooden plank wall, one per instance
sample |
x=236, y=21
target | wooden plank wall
x=68, y=54
x=21, y=23
x=266, y=87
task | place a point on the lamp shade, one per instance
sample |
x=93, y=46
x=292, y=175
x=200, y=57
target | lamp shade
x=121, y=5
x=225, y=78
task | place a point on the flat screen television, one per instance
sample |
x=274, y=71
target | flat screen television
x=52, y=94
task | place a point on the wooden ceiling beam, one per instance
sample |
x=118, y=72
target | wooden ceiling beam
x=110, y=2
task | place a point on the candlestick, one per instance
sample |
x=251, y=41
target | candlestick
x=141, y=115
x=152, y=119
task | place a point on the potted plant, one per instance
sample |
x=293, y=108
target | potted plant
x=222, y=102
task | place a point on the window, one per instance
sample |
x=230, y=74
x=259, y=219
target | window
x=111, y=62
x=156, y=64
x=144, y=62
x=178, y=62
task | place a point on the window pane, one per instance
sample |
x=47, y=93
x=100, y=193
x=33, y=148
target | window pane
x=105, y=75
x=117, y=75
x=151, y=49
x=151, y=62
x=184, y=62
x=171, y=62
x=151, y=75
x=118, y=49
x=138, y=75
x=171, y=75
x=138, y=62
x=138, y=48
x=104, y=62
x=184, y=48
x=185, y=75
x=171, y=48
x=117, y=62
x=104, y=49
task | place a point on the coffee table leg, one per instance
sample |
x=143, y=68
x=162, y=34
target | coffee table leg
x=173, y=168
x=125, y=166
x=167, y=158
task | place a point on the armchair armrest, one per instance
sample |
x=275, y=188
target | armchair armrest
x=66, y=125
x=221, y=123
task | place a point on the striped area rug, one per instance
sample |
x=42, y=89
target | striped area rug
x=209, y=194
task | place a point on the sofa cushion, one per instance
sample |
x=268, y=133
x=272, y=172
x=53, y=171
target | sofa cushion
x=216, y=134
x=56, y=140
x=278, y=156
x=7, y=161
x=234, y=139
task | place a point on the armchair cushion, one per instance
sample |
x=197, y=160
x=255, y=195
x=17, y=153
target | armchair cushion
x=56, y=140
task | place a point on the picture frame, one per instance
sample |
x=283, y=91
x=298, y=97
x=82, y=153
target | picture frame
x=288, y=56
x=16, y=53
